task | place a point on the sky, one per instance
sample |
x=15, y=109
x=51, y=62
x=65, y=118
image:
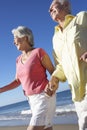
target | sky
x=33, y=14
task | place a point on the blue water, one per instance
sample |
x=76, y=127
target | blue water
x=20, y=114
x=14, y=107
x=62, y=98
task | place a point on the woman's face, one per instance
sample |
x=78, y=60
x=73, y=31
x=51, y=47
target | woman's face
x=20, y=43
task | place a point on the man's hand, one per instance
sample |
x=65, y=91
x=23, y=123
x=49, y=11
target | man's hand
x=84, y=57
x=52, y=86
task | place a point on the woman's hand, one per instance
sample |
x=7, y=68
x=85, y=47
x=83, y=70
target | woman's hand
x=52, y=86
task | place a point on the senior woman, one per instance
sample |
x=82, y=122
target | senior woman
x=31, y=68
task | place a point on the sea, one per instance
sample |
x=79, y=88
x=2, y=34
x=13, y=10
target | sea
x=19, y=113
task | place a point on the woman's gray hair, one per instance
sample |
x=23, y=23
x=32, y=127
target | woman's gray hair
x=22, y=31
x=62, y=2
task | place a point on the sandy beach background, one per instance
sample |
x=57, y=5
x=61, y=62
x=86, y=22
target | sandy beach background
x=55, y=127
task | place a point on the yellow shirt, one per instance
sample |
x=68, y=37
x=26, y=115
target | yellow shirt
x=68, y=46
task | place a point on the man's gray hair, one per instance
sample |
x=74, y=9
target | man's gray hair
x=22, y=31
x=62, y=2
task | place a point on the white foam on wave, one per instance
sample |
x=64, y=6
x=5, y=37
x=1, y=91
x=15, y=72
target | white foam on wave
x=65, y=109
x=26, y=112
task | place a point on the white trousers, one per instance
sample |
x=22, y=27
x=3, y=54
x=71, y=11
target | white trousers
x=81, y=109
x=43, y=109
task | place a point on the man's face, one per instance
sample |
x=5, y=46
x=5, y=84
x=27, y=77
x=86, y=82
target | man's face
x=56, y=10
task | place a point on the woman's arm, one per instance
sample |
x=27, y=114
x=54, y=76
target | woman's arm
x=53, y=83
x=14, y=84
x=46, y=62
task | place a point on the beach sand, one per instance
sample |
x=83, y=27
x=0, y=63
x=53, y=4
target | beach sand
x=55, y=127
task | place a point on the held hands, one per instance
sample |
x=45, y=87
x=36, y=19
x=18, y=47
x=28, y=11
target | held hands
x=51, y=86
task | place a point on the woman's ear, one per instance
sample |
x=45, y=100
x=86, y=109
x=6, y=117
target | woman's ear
x=26, y=38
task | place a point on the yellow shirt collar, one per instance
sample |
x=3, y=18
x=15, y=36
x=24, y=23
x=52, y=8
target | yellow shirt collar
x=68, y=19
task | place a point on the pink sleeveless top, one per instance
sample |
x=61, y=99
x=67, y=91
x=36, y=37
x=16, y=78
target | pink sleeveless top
x=32, y=74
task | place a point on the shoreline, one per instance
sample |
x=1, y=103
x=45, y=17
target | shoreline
x=55, y=127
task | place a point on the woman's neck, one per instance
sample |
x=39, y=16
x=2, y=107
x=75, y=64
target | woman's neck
x=28, y=50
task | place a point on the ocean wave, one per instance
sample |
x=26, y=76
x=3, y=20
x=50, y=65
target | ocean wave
x=23, y=117
x=25, y=114
x=59, y=110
